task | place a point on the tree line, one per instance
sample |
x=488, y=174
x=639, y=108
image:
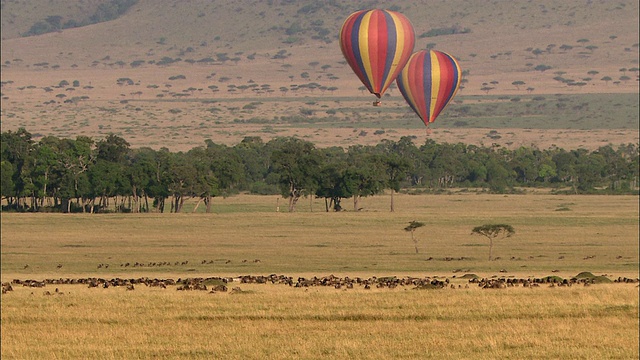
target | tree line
x=105, y=11
x=87, y=175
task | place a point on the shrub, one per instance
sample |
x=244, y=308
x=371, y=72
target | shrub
x=444, y=31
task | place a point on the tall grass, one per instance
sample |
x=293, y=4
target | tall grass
x=591, y=233
x=276, y=321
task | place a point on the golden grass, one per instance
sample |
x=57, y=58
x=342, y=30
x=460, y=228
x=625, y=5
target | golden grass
x=276, y=321
x=282, y=322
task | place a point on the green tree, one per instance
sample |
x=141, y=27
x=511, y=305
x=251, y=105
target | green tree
x=205, y=185
x=606, y=79
x=46, y=167
x=565, y=166
x=366, y=173
x=395, y=166
x=141, y=172
x=590, y=170
x=17, y=148
x=333, y=181
x=492, y=231
x=295, y=162
x=256, y=160
x=6, y=179
x=75, y=158
x=158, y=186
x=524, y=164
x=112, y=148
x=446, y=164
x=182, y=177
x=104, y=177
x=227, y=166
x=498, y=177
x=518, y=83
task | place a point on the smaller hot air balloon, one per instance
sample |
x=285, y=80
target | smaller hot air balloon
x=377, y=44
x=428, y=82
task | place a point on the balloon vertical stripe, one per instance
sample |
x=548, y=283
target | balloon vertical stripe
x=349, y=44
x=377, y=44
x=416, y=84
x=365, y=44
x=434, y=78
x=388, y=30
x=429, y=82
x=402, y=30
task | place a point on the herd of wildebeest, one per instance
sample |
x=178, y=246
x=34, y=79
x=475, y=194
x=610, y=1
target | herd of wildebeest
x=221, y=284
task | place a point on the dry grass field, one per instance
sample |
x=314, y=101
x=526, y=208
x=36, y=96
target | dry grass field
x=279, y=322
x=555, y=236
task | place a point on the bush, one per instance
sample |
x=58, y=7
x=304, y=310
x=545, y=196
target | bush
x=262, y=188
x=444, y=31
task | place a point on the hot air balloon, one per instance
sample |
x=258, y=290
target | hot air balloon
x=377, y=44
x=428, y=82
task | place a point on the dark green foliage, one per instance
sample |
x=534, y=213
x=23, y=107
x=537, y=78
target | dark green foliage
x=412, y=228
x=585, y=275
x=84, y=174
x=594, y=279
x=444, y=31
x=106, y=11
x=111, y=10
x=494, y=230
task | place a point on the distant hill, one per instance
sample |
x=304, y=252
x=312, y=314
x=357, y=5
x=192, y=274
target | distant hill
x=176, y=51
x=503, y=37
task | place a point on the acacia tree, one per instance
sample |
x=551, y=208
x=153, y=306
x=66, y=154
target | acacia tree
x=412, y=228
x=491, y=231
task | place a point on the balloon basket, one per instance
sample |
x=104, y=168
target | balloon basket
x=377, y=103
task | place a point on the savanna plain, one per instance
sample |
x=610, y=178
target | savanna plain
x=556, y=235
x=175, y=74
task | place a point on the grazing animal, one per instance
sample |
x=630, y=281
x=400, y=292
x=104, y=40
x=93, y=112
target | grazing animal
x=218, y=288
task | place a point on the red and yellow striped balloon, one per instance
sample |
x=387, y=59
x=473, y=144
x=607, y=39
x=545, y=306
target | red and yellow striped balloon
x=428, y=82
x=377, y=44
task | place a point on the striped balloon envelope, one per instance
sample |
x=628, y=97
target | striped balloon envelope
x=377, y=44
x=428, y=82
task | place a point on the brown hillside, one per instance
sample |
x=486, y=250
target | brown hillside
x=260, y=47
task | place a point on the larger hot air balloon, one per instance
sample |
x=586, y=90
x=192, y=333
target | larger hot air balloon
x=377, y=44
x=428, y=82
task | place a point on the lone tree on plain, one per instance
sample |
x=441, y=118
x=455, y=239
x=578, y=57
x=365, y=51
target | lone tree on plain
x=491, y=231
x=412, y=227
